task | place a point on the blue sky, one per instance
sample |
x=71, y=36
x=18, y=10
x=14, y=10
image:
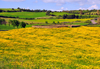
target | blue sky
x=55, y=5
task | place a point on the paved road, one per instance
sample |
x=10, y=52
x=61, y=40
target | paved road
x=93, y=21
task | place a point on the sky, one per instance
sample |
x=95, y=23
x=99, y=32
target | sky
x=54, y=5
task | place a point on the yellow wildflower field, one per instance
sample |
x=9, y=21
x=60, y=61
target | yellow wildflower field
x=56, y=48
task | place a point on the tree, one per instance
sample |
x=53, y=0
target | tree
x=18, y=8
x=46, y=22
x=48, y=12
x=54, y=22
x=23, y=24
x=12, y=8
x=16, y=23
x=13, y=23
x=2, y=21
x=98, y=20
x=81, y=12
x=64, y=16
x=58, y=22
x=98, y=12
x=10, y=22
x=1, y=10
x=77, y=16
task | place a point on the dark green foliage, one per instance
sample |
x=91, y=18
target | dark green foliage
x=10, y=22
x=58, y=22
x=2, y=21
x=48, y=12
x=64, y=16
x=71, y=16
x=46, y=22
x=54, y=22
x=88, y=21
x=15, y=23
x=23, y=24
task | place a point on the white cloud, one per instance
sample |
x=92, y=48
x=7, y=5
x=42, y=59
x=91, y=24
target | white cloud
x=27, y=7
x=81, y=2
x=90, y=8
x=82, y=9
x=62, y=8
x=14, y=0
x=93, y=7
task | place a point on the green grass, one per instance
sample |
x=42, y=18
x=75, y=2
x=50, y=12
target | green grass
x=10, y=9
x=48, y=20
x=6, y=27
x=24, y=14
x=61, y=13
x=77, y=24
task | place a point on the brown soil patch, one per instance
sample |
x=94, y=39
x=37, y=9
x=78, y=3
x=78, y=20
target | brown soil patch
x=56, y=26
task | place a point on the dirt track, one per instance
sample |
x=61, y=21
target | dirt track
x=56, y=26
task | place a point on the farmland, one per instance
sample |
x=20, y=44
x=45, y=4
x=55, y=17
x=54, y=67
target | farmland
x=49, y=20
x=48, y=48
x=24, y=14
x=64, y=48
x=61, y=13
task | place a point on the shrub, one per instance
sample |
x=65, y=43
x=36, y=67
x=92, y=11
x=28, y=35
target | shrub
x=58, y=22
x=23, y=24
x=54, y=22
x=88, y=21
x=46, y=22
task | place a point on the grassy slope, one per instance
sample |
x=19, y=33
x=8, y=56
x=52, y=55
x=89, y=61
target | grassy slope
x=7, y=27
x=49, y=20
x=24, y=14
x=60, y=13
x=10, y=9
x=63, y=48
x=3, y=27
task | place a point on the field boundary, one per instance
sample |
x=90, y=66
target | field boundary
x=56, y=26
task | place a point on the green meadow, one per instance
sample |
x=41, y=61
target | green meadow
x=60, y=13
x=24, y=14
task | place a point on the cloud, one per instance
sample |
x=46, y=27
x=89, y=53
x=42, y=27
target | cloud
x=81, y=2
x=82, y=9
x=90, y=8
x=93, y=7
x=27, y=7
x=62, y=8
x=14, y=0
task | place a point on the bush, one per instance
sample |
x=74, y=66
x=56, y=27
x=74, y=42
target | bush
x=46, y=22
x=58, y=22
x=23, y=24
x=54, y=22
x=88, y=21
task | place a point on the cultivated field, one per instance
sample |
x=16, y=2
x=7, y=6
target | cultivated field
x=24, y=14
x=57, y=48
x=48, y=20
x=61, y=13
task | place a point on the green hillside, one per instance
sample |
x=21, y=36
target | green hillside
x=24, y=14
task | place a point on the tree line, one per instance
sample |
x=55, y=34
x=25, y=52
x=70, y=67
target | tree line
x=65, y=16
x=13, y=22
x=17, y=23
